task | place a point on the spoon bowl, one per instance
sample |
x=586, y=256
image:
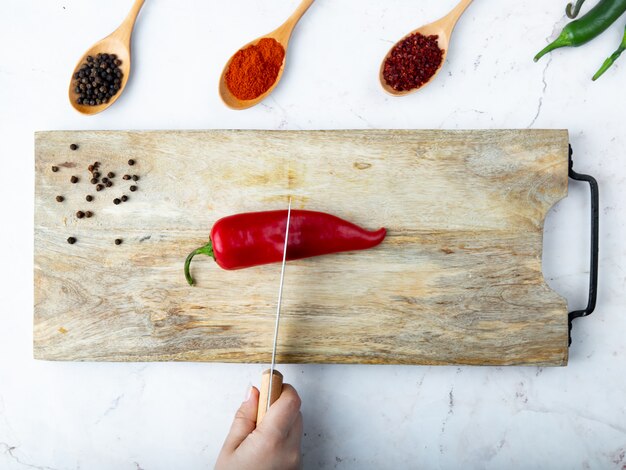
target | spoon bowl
x=231, y=100
x=281, y=35
x=117, y=43
x=442, y=28
x=108, y=45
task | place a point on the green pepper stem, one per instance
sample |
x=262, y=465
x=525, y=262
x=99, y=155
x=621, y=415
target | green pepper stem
x=204, y=250
x=572, y=10
x=561, y=41
x=611, y=60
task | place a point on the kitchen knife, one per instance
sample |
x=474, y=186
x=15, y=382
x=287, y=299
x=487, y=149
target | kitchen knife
x=272, y=380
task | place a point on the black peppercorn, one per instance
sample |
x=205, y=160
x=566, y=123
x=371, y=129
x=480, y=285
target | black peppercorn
x=96, y=174
x=71, y=240
x=105, y=180
x=55, y=169
x=109, y=184
x=133, y=188
x=135, y=178
x=94, y=83
x=99, y=187
x=110, y=174
x=60, y=198
x=89, y=198
x=125, y=177
x=118, y=241
x=93, y=180
x=74, y=179
x=124, y=198
x=88, y=214
x=73, y=146
x=116, y=201
x=80, y=214
x=131, y=162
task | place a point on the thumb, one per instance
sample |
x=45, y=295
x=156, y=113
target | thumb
x=245, y=420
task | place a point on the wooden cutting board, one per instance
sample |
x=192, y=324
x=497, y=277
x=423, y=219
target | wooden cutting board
x=457, y=281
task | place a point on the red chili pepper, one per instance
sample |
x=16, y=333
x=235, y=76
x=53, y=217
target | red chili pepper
x=255, y=238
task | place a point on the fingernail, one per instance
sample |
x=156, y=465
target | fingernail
x=248, y=392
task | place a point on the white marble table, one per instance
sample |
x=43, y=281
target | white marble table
x=174, y=416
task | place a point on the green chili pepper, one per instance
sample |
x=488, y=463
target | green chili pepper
x=588, y=26
x=572, y=10
x=608, y=62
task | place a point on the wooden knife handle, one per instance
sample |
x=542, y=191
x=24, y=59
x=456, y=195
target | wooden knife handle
x=277, y=389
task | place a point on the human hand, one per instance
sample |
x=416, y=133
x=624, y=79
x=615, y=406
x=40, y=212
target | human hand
x=274, y=444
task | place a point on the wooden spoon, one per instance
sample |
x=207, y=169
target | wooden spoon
x=282, y=34
x=118, y=42
x=442, y=28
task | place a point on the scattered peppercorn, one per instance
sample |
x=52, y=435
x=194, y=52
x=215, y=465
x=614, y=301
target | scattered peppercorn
x=73, y=146
x=100, y=184
x=98, y=79
x=412, y=62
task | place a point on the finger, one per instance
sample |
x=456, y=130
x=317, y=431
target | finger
x=283, y=411
x=244, y=422
x=295, y=433
x=293, y=444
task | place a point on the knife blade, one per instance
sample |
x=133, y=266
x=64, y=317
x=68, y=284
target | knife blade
x=272, y=380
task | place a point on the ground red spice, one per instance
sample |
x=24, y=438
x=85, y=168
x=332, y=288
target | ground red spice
x=412, y=62
x=254, y=69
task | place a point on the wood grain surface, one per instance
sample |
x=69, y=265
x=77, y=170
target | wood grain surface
x=457, y=281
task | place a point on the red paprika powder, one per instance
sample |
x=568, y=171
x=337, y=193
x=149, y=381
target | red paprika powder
x=412, y=62
x=253, y=70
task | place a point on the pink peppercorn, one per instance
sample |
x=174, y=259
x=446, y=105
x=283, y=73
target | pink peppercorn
x=412, y=62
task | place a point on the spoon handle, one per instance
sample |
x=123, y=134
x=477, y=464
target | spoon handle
x=458, y=10
x=284, y=31
x=301, y=10
x=126, y=28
